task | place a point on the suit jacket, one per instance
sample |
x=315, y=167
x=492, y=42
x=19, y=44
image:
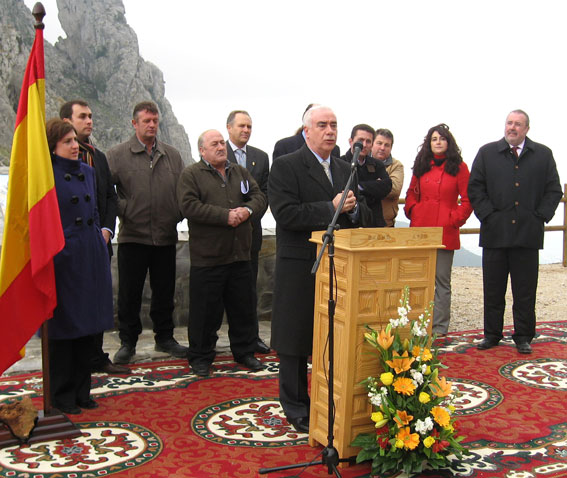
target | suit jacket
x=293, y=143
x=106, y=199
x=258, y=164
x=300, y=199
x=375, y=185
x=513, y=197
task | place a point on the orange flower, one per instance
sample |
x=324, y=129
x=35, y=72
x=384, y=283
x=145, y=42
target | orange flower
x=441, y=416
x=441, y=387
x=400, y=363
x=404, y=386
x=402, y=418
x=425, y=353
x=385, y=339
x=410, y=440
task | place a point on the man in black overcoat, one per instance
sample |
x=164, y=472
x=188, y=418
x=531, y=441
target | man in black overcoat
x=373, y=180
x=239, y=126
x=514, y=189
x=303, y=199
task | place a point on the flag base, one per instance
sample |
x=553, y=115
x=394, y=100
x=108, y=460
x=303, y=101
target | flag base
x=54, y=426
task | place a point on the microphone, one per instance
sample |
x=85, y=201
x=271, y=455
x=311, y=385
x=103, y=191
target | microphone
x=357, y=148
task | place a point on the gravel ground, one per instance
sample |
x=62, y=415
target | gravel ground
x=466, y=306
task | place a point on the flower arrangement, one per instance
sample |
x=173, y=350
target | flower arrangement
x=412, y=402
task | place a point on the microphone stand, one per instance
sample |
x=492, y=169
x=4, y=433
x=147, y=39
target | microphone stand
x=330, y=455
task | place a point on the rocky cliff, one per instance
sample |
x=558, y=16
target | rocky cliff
x=98, y=61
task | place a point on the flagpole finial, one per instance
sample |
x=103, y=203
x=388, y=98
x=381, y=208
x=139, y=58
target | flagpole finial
x=38, y=12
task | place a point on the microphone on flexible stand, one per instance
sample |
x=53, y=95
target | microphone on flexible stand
x=357, y=148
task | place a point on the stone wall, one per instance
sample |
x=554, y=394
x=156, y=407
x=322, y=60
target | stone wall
x=181, y=313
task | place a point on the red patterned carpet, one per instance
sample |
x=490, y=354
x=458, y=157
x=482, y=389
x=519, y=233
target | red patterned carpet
x=163, y=420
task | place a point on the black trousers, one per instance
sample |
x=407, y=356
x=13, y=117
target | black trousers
x=294, y=395
x=522, y=265
x=70, y=370
x=212, y=290
x=254, y=259
x=134, y=262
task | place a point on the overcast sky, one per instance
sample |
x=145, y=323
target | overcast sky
x=403, y=65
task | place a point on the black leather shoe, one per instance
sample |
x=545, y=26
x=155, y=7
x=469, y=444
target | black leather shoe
x=262, y=348
x=301, y=424
x=202, y=369
x=524, y=348
x=251, y=362
x=172, y=347
x=114, y=369
x=487, y=344
x=90, y=404
x=124, y=354
x=68, y=409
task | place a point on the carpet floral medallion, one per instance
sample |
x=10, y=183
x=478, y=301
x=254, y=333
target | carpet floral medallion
x=164, y=421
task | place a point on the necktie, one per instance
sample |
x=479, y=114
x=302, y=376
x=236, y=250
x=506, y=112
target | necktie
x=515, y=151
x=327, y=168
x=241, y=157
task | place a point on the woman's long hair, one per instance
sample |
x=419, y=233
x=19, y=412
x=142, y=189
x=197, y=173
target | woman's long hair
x=422, y=163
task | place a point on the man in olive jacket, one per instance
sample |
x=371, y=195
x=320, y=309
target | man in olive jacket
x=514, y=189
x=220, y=200
x=145, y=172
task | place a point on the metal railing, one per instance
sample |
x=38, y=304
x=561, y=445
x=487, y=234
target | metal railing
x=562, y=228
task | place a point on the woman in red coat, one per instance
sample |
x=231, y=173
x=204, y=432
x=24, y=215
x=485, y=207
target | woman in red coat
x=440, y=178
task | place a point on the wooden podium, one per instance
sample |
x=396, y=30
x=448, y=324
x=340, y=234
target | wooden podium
x=372, y=268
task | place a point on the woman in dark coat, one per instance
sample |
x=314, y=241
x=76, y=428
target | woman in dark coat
x=82, y=275
x=439, y=178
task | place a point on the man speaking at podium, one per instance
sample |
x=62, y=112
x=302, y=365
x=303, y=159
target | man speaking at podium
x=304, y=190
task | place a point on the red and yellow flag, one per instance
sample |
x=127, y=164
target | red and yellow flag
x=32, y=226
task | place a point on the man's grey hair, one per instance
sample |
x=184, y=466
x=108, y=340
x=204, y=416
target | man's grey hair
x=309, y=113
x=521, y=112
x=232, y=115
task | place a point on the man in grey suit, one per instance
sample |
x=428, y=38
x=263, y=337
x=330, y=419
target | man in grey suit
x=239, y=126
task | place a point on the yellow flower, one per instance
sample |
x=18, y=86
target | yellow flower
x=399, y=444
x=402, y=418
x=428, y=442
x=385, y=339
x=449, y=428
x=441, y=416
x=410, y=440
x=424, y=397
x=404, y=386
x=400, y=363
x=441, y=387
x=416, y=351
x=387, y=378
x=451, y=408
x=378, y=419
x=428, y=370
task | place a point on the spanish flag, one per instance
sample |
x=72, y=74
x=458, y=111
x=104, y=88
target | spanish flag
x=32, y=226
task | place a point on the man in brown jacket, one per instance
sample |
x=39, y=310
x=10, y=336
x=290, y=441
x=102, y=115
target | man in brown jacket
x=145, y=172
x=382, y=151
x=220, y=199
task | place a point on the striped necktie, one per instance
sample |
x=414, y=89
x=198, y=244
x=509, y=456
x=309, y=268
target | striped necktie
x=327, y=168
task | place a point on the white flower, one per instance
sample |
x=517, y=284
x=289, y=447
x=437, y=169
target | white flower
x=402, y=311
x=424, y=368
x=404, y=321
x=376, y=400
x=424, y=426
x=395, y=323
x=417, y=377
x=384, y=391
